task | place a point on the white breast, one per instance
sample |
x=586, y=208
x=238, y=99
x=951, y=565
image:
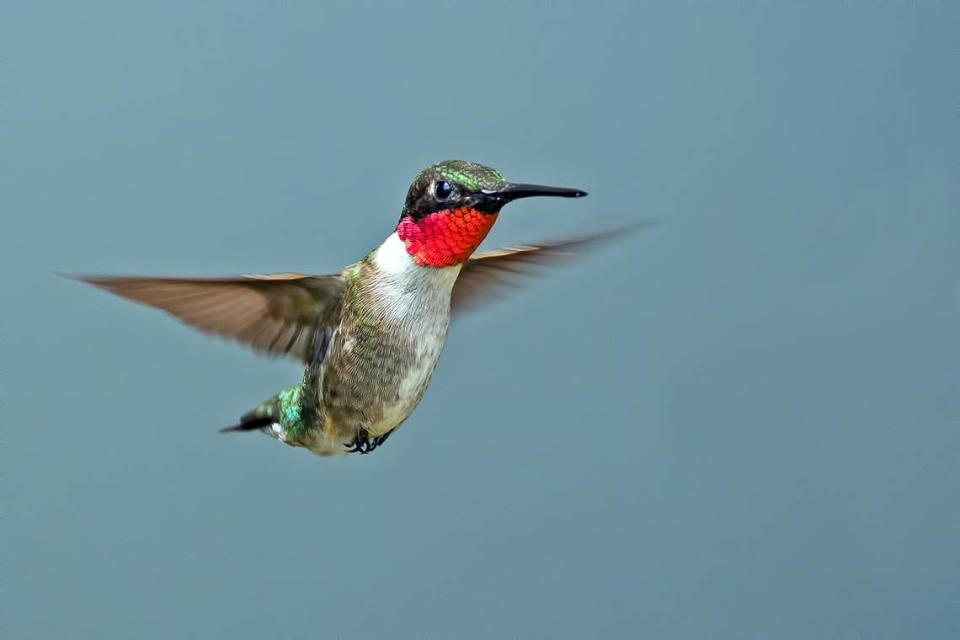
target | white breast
x=417, y=298
x=412, y=386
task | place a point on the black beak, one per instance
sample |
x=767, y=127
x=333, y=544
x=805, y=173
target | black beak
x=512, y=191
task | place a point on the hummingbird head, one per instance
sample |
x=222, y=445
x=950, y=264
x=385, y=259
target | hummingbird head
x=451, y=207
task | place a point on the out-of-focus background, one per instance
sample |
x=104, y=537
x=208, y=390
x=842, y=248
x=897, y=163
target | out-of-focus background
x=744, y=422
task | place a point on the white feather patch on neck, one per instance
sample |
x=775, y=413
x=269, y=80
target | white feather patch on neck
x=405, y=282
x=392, y=257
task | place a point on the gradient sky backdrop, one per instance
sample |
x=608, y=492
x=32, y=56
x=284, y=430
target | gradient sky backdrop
x=743, y=423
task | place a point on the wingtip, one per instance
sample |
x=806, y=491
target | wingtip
x=76, y=277
x=93, y=280
x=638, y=225
x=617, y=232
x=614, y=233
x=99, y=282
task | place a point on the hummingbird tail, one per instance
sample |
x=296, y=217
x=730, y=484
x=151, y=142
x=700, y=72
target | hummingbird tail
x=250, y=422
x=284, y=411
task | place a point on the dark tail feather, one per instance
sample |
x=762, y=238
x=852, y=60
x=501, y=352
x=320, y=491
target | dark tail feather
x=250, y=422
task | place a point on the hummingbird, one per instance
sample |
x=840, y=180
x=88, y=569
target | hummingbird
x=369, y=337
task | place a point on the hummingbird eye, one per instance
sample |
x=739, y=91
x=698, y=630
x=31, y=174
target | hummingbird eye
x=442, y=190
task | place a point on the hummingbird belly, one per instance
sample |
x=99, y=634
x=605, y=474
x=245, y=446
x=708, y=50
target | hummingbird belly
x=371, y=388
x=386, y=395
x=384, y=352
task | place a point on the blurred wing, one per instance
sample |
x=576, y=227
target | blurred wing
x=489, y=274
x=274, y=314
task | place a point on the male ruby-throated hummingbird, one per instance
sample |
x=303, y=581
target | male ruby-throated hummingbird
x=370, y=336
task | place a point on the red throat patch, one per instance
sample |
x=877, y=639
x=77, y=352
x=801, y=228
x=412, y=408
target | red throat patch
x=445, y=238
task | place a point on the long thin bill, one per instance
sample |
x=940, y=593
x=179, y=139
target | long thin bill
x=512, y=191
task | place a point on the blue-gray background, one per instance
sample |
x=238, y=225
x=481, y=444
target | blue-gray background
x=742, y=423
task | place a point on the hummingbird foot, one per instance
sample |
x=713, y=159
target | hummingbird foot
x=362, y=443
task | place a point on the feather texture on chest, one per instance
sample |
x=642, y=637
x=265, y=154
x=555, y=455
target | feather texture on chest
x=405, y=292
x=393, y=327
